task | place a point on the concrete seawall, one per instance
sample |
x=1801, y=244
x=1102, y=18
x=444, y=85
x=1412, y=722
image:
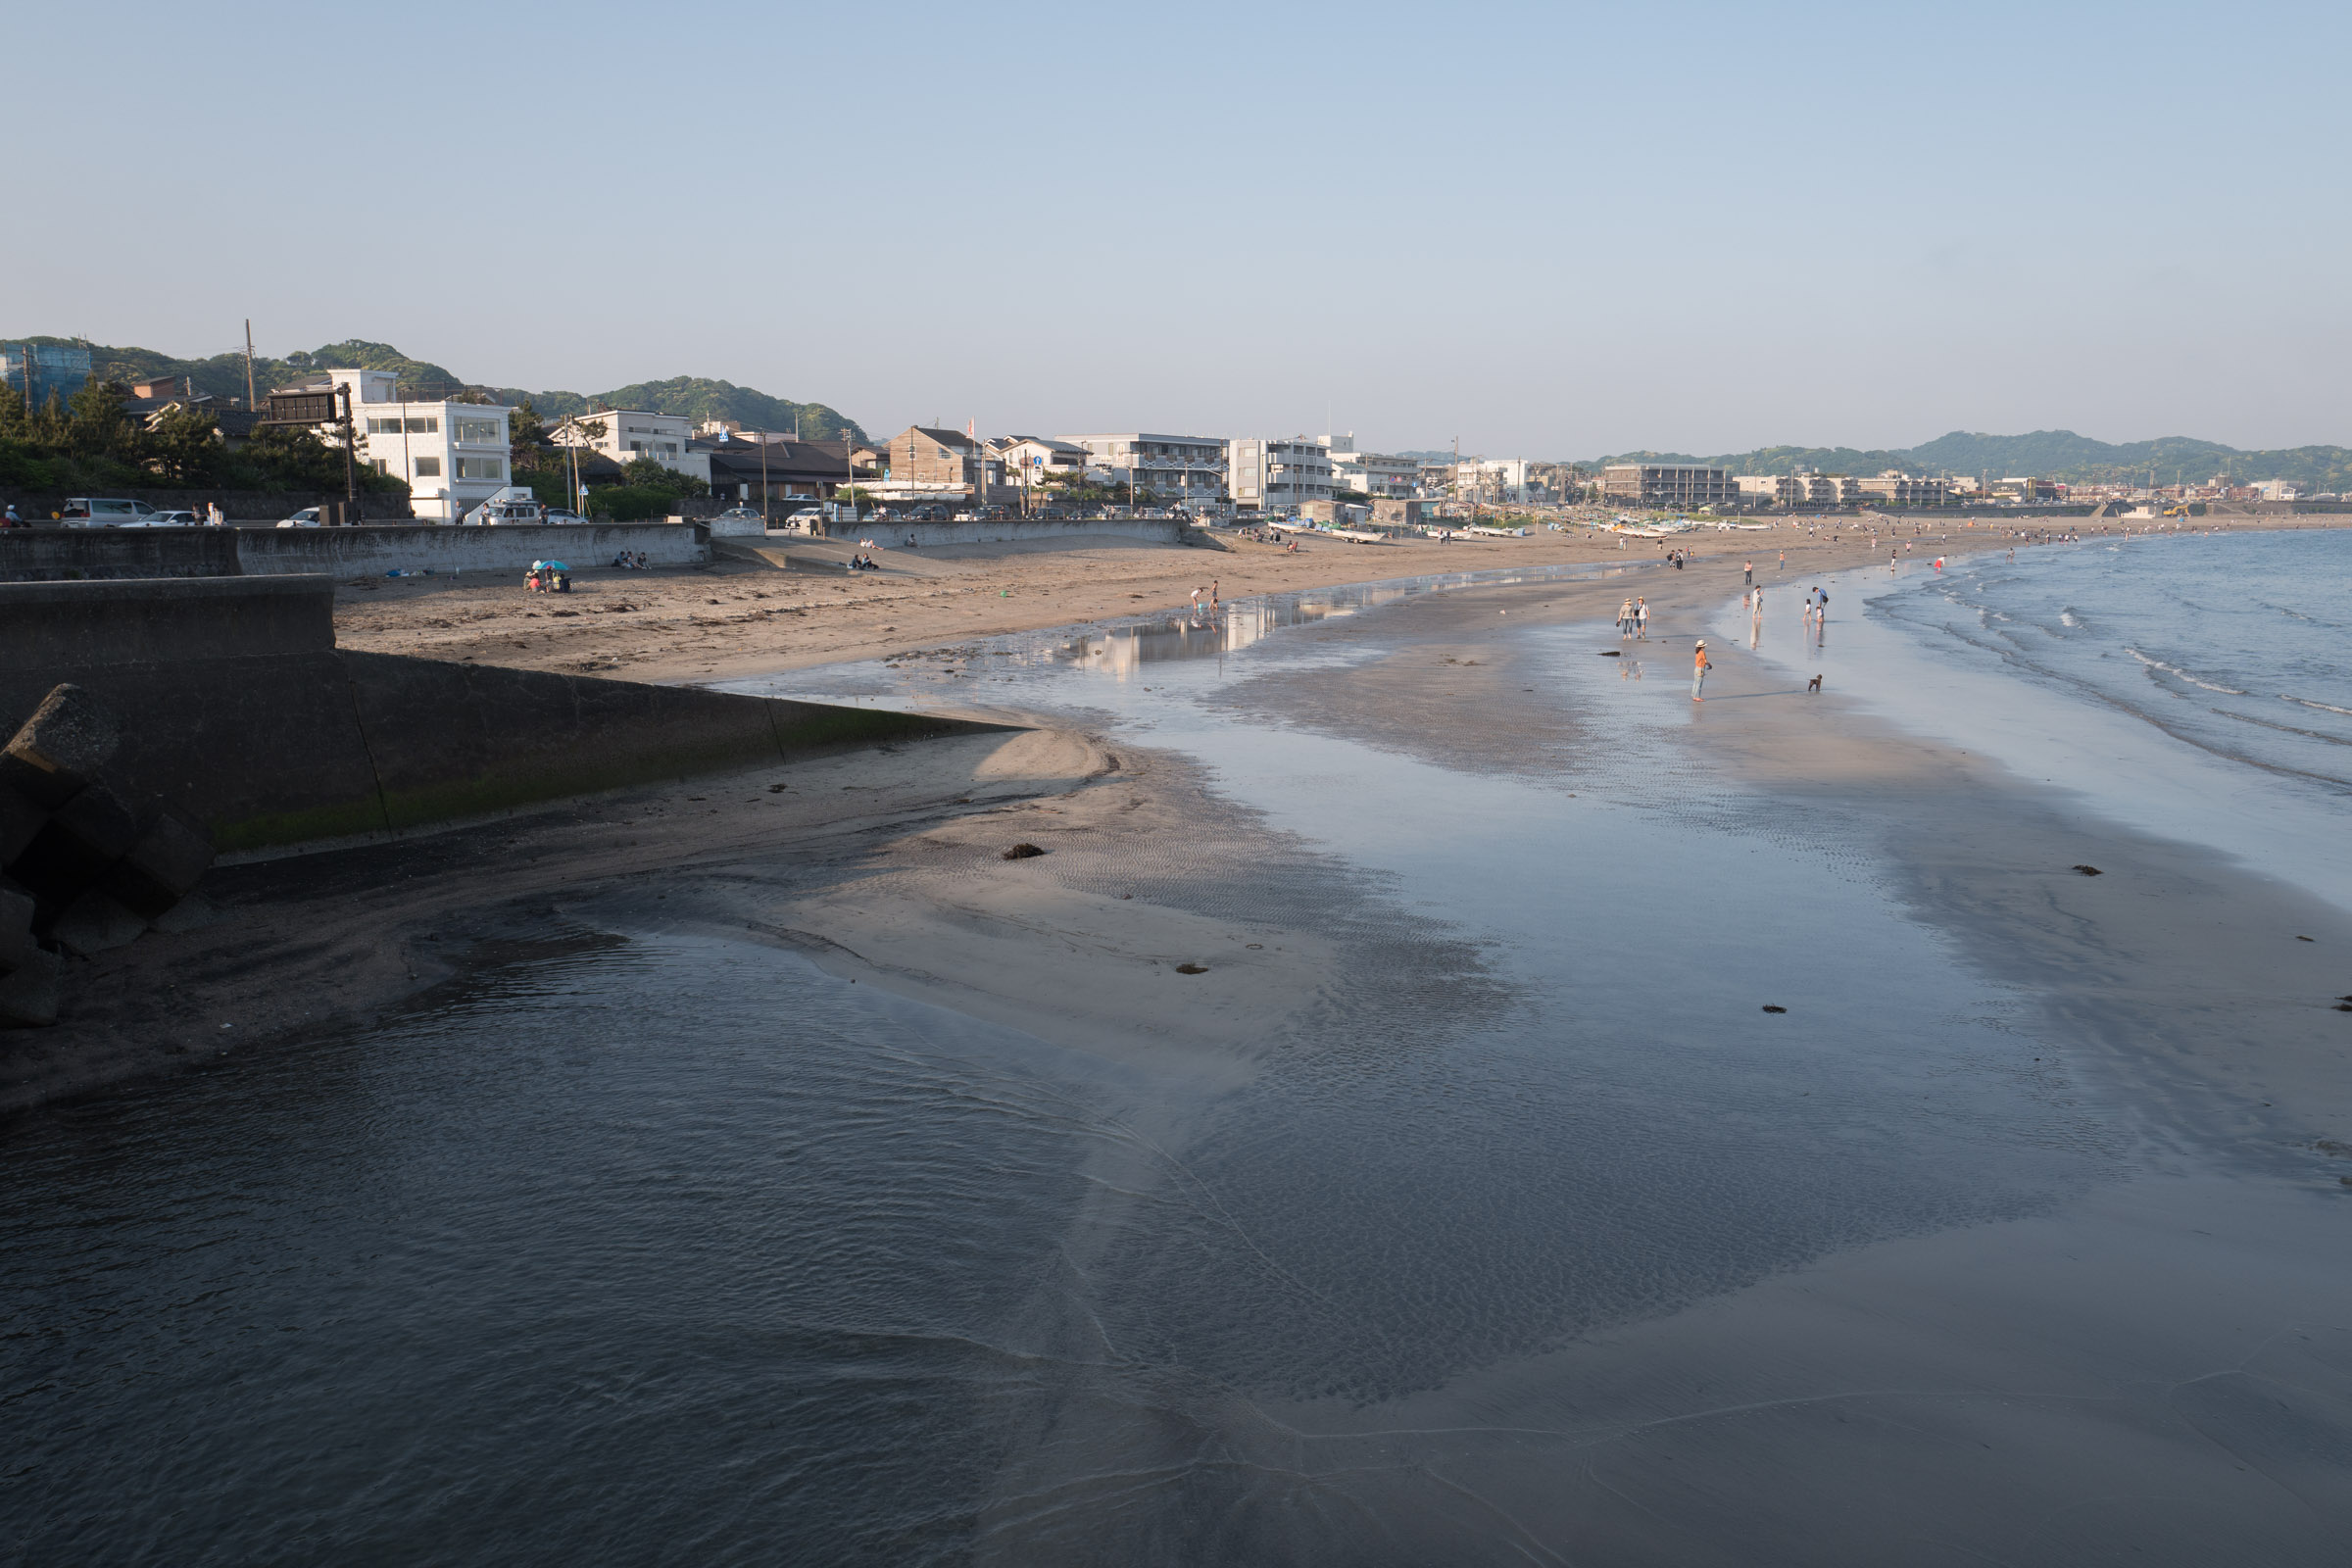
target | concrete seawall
x=65, y=554
x=237, y=706
x=893, y=535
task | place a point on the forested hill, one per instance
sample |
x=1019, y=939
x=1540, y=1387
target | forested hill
x=2047, y=453
x=223, y=377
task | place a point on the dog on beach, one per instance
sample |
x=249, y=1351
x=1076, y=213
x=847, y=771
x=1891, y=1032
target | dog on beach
x=1813, y=685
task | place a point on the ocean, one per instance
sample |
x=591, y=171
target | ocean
x=2199, y=686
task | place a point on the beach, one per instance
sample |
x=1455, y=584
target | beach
x=795, y=605
x=1439, y=1094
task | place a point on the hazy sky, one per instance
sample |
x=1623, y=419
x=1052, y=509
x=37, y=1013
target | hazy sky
x=1551, y=231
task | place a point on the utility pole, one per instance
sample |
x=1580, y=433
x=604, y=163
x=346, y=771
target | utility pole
x=765, y=521
x=849, y=468
x=351, y=478
x=251, y=406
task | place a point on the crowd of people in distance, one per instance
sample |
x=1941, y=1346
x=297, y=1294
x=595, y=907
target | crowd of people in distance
x=546, y=577
x=628, y=561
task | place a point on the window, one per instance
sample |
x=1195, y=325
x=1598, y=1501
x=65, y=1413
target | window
x=428, y=467
x=383, y=464
x=430, y=426
x=481, y=469
x=483, y=430
x=383, y=427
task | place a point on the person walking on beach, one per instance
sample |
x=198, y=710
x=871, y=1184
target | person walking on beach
x=1625, y=620
x=1747, y=570
x=1642, y=619
x=1698, y=669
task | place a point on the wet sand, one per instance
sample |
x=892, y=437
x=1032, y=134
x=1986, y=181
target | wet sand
x=2108, y=1324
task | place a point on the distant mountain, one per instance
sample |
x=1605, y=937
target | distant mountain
x=223, y=377
x=2045, y=453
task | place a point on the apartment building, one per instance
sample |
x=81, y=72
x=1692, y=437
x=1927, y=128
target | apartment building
x=1494, y=480
x=1179, y=469
x=1374, y=474
x=1799, y=491
x=945, y=465
x=628, y=434
x=1030, y=461
x=1667, y=484
x=1902, y=490
x=1276, y=475
x=452, y=456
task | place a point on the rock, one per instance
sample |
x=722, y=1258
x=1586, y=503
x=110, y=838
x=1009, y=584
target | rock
x=94, y=923
x=2089, y=870
x=1774, y=1007
x=81, y=842
x=1192, y=968
x=58, y=752
x=16, y=944
x=29, y=997
x=161, y=868
x=1023, y=852
x=20, y=819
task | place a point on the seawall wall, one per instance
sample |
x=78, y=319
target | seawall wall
x=237, y=708
x=893, y=535
x=65, y=554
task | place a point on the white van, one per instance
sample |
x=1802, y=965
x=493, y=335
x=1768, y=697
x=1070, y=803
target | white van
x=103, y=511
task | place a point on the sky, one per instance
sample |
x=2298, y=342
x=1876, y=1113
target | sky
x=1552, y=231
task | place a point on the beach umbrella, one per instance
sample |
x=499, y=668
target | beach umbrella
x=557, y=566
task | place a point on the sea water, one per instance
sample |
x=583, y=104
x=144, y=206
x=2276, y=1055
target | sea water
x=2197, y=686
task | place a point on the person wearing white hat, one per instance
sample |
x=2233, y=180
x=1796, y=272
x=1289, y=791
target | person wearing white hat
x=1699, y=671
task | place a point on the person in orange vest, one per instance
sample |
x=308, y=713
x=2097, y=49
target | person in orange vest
x=1699, y=671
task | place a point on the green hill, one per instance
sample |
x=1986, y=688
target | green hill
x=223, y=377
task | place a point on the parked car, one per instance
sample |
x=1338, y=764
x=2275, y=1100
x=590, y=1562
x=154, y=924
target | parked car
x=806, y=519
x=307, y=518
x=740, y=514
x=930, y=514
x=163, y=520
x=103, y=511
x=564, y=515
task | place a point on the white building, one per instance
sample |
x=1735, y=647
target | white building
x=1494, y=480
x=1276, y=475
x=453, y=456
x=627, y=435
x=1375, y=473
x=2277, y=490
x=1179, y=469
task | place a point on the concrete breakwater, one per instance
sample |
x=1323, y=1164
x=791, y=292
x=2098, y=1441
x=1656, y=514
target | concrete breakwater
x=66, y=554
x=236, y=704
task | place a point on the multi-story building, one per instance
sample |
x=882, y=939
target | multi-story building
x=1667, y=484
x=1902, y=490
x=944, y=466
x=1799, y=491
x=1276, y=475
x=452, y=456
x=628, y=434
x=1179, y=470
x=1374, y=474
x=1493, y=481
